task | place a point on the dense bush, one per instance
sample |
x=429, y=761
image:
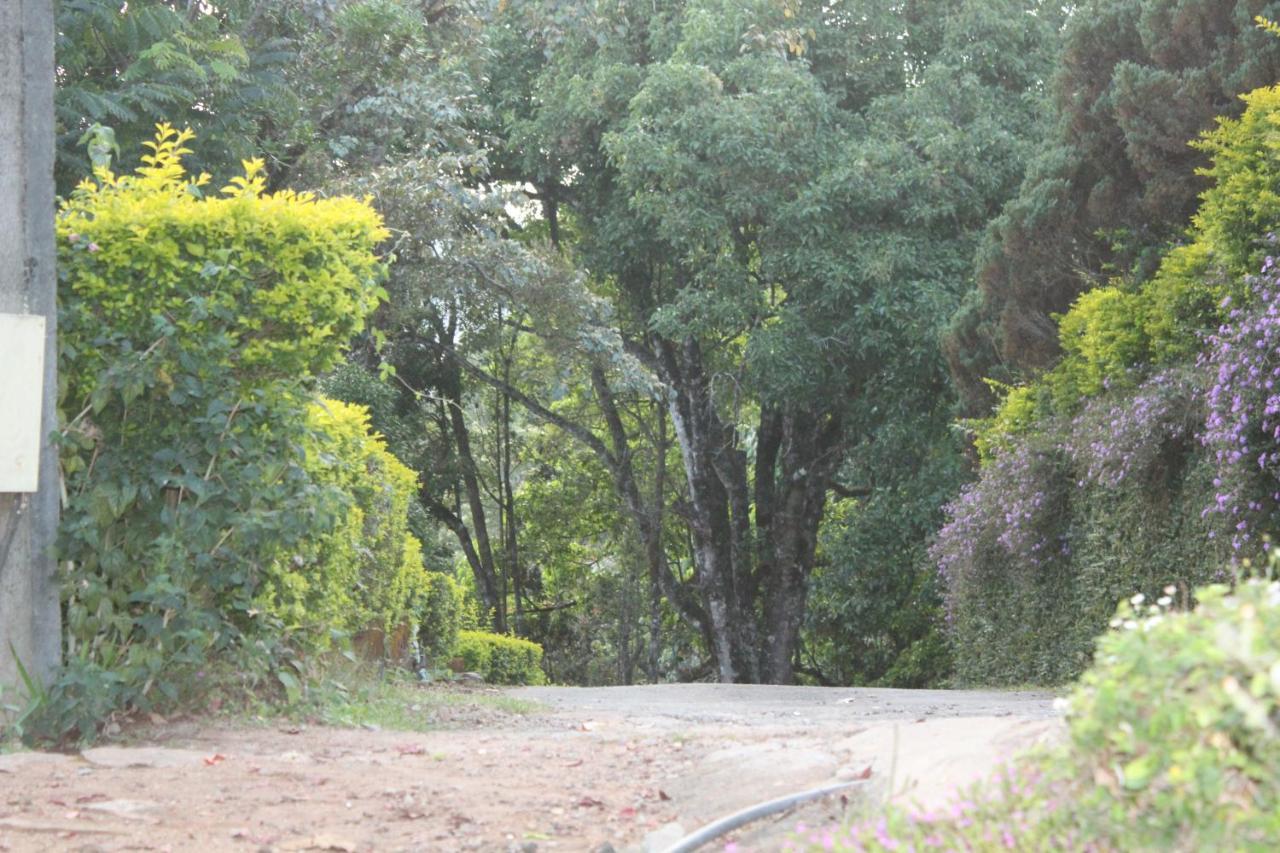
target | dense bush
x=874, y=614
x=1243, y=429
x=439, y=612
x=1001, y=557
x=1175, y=735
x=499, y=658
x=190, y=327
x=1066, y=520
x=367, y=572
x=1174, y=744
x=1033, y=554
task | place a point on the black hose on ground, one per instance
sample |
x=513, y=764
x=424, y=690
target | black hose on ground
x=725, y=825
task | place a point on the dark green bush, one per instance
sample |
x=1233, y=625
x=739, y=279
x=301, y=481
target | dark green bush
x=1118, y=334
x=499, y=658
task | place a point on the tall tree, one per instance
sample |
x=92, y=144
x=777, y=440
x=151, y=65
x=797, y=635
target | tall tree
x=1136, y=82
x=943, y=156
x=716, y=160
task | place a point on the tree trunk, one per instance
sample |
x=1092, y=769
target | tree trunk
x=483, y=566
x=755, y=594
x=715, y=472
x=654, y=560
x=796, y=457
x=506, y=496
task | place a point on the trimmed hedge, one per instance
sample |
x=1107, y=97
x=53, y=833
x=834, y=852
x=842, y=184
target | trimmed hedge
x=366, y=574
x=499, y=658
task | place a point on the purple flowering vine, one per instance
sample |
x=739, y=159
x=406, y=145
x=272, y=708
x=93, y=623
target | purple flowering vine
x=1242, y=430
x=1114, y=441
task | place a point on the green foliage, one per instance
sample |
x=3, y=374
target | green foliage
x=781, y=221
x=126, y=66
x=439, y=611
x=1139, y=481
x=1070, y=517
x=282, y=280
x=1019, y=411
x=1113, y=336
x=1178, y=727
x=501, y=659
x=381, y=84
x=190, y=327
x=875, y=611
x=1102, y=337
x=1112, y=186
x=367, y=572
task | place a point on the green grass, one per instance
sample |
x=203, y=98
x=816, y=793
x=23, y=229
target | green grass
x=338, y=691
x=361, y=695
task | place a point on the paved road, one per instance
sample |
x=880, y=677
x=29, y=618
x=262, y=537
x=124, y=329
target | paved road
x=766, y=705
x=756, y=742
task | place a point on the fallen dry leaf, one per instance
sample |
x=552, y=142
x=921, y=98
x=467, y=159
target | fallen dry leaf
x=216, y=758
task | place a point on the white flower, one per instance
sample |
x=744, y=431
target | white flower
x=1137, y=599
x=1164, y=601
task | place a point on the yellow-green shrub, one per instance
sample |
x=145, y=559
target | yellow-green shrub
x=1240, y=207
x=367, y=572
x=286, y=278
x=191, y=325
x=1102, y=336
x=499, y=658
x=1018, y=409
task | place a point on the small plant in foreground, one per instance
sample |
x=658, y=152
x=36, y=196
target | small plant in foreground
x=1174, y=744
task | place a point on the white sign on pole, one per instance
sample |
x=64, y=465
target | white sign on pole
x=21, y=390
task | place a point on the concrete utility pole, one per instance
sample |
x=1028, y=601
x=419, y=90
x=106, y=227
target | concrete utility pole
x=29, y=617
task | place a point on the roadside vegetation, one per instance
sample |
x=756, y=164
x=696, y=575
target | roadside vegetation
x=741, y=340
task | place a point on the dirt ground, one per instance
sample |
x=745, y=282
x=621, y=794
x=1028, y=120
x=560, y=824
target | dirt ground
x=591, y=769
